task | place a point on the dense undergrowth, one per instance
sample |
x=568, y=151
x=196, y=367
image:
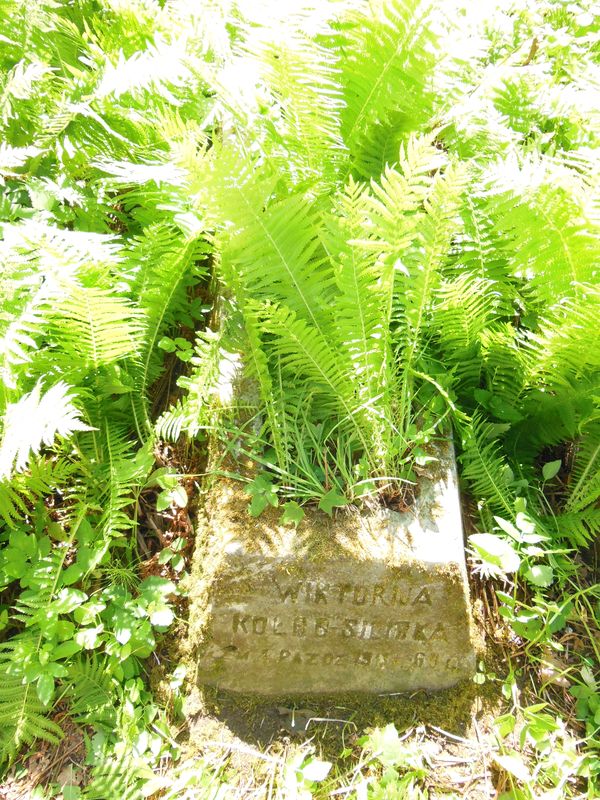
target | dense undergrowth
x=397, y=206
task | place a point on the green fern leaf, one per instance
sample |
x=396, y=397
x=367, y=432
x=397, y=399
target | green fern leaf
x=34, y=420
x=388, y=58
x=23, y=717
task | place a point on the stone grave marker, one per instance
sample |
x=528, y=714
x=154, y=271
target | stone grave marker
x=372, y=601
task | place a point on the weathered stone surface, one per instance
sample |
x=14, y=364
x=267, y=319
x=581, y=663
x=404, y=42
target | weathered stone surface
x=373, y=601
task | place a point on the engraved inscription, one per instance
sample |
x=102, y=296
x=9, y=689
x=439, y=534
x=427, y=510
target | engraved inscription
x=363, y=658
x=323, y=627
x=318, y=593
x=329, y=631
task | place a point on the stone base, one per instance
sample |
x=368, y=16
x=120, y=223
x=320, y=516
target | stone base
x=369, y=602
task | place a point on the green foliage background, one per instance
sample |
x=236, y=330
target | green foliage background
x=397, y=205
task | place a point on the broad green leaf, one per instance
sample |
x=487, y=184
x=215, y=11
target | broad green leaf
x=496, y=553
x=332, y=500
x=292, y=513
x=508, y=527
x=123, y=633
x=163, y=500
x=540, y=575
x=257, y=505
x=551, y=469
x=72, y=574
x=525, y=523
x=385, y=744
x=88, y=637
x=66, y=649
x=514, y=765
x=166, y=344
x=68, y=600
x=45, y=688
x=155, y=589
x=161, y=616
x=179, y=497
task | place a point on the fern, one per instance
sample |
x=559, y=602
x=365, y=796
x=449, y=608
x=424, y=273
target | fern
x=388, y=58
x=398, y=218
x=487, y=471
x=92, y=692
x=103, y=327
x=555, y=250
x=584, y=489
x=34, y=421
x=23, y=717
x=166, y=268
x=114, y=779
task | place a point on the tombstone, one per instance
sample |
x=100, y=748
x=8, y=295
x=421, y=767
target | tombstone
x=366, y=601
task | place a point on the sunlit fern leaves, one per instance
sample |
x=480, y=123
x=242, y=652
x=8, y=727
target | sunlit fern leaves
x=303, y=77
x=36, y=420
x=92, y=691
x=398, y=195
x=540, y=205
x=418, y=274
x=209, y=383
x=559, y=351
x=114, y=778
x=463, y=310
x=166, y=265
x=487, y=471
x=361, y=315
x=118, y=474
x=584, y=481
x=102, y=326
x=579, y=528
x=23, y=717
x=267, y=248
x=388, y=57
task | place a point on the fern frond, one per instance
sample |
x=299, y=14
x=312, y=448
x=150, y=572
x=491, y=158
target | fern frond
x=584, y=482
x=388, y=57
x=119, y=474
x=167, y=265
x=560, y=351
x=19, y=337
x=160, y=68
x=541, y=206
x=269, y=255
x=114, y=778
x=504, y=361
x=213, y=368
x=363, y=305
x=398, y=195
x=304, y=353
x=92, y=691
x=34, y=420
x=307, y=357
x=97, y=324
x=63, y=253
x=465, y=307
x=23, y=717
x=417, y=284
x=41, y=583
x=580, y=528
x=486, y=470
x=480, y=249
x=303, y=77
